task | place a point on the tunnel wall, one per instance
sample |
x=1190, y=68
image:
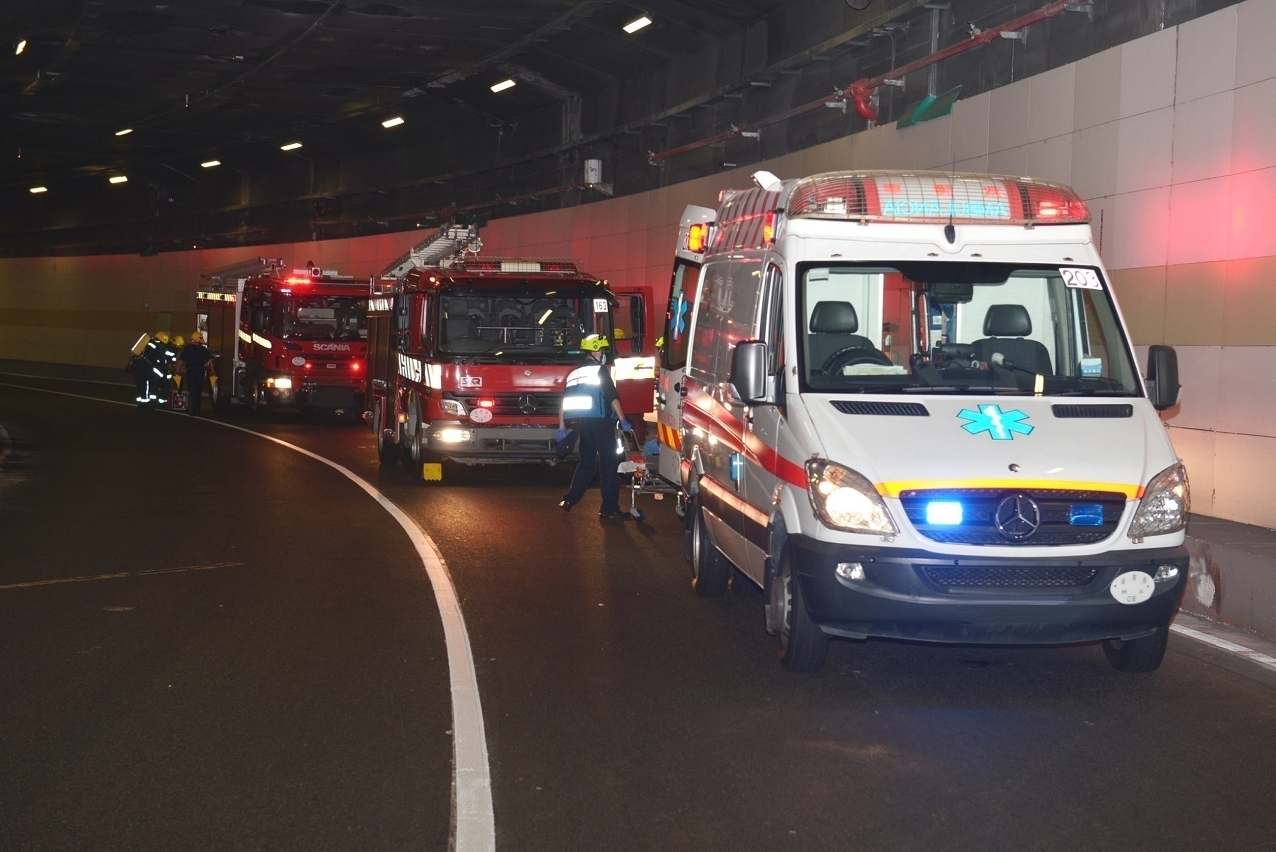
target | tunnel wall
x=1169, y=138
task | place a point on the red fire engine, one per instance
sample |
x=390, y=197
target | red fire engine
x=293, y=339
x=468, y=355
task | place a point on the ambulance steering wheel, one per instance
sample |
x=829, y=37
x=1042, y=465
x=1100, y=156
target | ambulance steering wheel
x=852, y=355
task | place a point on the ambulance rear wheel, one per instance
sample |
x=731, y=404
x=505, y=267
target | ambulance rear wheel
x=710, y=570
x=387, y=451
x=802, y=644
x=1137, y=655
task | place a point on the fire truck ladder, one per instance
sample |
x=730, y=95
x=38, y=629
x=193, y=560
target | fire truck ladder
x=435, y=250
x=237, y=272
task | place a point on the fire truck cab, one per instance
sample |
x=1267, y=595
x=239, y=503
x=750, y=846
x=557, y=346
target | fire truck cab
x=286, y=339
x=468, y=361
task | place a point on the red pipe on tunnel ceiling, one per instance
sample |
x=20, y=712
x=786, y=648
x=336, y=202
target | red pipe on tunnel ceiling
x=861, y=91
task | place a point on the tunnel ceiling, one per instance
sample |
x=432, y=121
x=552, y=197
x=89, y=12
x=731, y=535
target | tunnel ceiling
x=233, y=81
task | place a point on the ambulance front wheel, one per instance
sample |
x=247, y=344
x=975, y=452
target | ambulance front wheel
x=710, y=570
x=1137, y=655
x=802, y=644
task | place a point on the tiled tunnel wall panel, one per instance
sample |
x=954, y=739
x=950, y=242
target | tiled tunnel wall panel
x=1169, y=138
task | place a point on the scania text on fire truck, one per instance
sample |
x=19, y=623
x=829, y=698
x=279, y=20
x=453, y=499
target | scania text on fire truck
x=467, y=361
x=912, y=411
x=281, y=339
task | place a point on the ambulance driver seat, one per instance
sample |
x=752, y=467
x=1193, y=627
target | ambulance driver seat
x=1007, y=328
x=833, y=330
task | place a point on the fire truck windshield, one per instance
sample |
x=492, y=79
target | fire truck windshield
x=322, y=318
x=518, y=326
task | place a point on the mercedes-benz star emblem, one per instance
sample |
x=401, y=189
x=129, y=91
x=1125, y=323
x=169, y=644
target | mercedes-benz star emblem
x=1018, y=517
x=527, y=404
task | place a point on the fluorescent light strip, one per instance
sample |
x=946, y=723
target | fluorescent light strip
x=291, y=146
x=637, y=24
x=36, y=190
x=22, y=45
x=210, y=164
x=125, y=132
x=119, y=179
x=392, y=122
x=503, y=85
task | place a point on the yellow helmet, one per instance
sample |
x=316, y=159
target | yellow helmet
x=178, y=341
x=196, y=337
x=594, y=343
x=161, y=336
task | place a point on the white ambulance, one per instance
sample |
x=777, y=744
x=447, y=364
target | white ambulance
x=911, y=409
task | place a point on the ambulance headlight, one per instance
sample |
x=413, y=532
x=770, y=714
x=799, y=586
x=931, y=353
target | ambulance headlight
x=845, y=500
x=1164, y=506
x=453, y=407
x=452, y=435
x=280, y=383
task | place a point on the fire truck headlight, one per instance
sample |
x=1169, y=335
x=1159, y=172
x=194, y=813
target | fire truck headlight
x=280, y=383
x=452, y=435
x=453, y=407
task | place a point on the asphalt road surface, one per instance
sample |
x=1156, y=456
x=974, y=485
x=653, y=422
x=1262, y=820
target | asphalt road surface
x=211, y=641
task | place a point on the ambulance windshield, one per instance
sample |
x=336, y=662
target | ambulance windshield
x=495, y=326
x=926, y=327
x=322, y=318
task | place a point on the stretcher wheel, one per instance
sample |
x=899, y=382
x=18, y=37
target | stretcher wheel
x=638, y=514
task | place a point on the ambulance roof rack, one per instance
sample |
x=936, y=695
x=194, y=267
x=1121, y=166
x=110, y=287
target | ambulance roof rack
x=438, y=249
x=237, y=272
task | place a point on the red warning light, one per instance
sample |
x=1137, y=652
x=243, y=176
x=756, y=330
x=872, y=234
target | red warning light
x=487, y=402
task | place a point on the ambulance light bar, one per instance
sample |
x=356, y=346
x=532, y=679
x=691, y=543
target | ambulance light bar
x=698, y=237
x=935, y=198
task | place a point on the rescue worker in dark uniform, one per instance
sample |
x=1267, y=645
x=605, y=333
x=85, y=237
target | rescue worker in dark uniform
x=150, y=371
x=195, y=356
x=165, y=359
x=592, y=406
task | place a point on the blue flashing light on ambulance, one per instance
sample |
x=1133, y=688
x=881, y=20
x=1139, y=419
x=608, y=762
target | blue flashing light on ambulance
x=910, y=409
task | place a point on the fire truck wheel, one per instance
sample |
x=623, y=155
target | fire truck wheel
x=710, y=570
x=387, y=451
x=803, y=645
x=260, y=409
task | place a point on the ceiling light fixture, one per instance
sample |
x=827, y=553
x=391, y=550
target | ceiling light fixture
x=637, y=24
x=22, y=45
x=210, y=164
x=392, y=122
x=119, y=179
x=36, y=190
x=503, y=85
x=291, y=146
x=125, y=132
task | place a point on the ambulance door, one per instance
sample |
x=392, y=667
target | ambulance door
x=670, y=392
x=762, y=432
x=731, y=297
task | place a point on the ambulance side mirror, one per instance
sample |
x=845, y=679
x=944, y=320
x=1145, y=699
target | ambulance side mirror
x=1163, y=377
x=748, y=372
x=637, y=322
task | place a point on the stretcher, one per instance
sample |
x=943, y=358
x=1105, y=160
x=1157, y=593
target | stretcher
x=641, y=470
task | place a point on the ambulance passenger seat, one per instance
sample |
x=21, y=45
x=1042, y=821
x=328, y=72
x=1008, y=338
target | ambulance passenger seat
x=833, y=328
x=1006, y=330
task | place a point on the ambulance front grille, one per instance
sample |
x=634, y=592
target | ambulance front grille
x=1002, y=577
x=1057, y=508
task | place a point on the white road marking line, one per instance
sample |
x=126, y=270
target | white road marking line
x=120, y=575
x=1250, y=654
x=62, y=379
x=473, y=821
